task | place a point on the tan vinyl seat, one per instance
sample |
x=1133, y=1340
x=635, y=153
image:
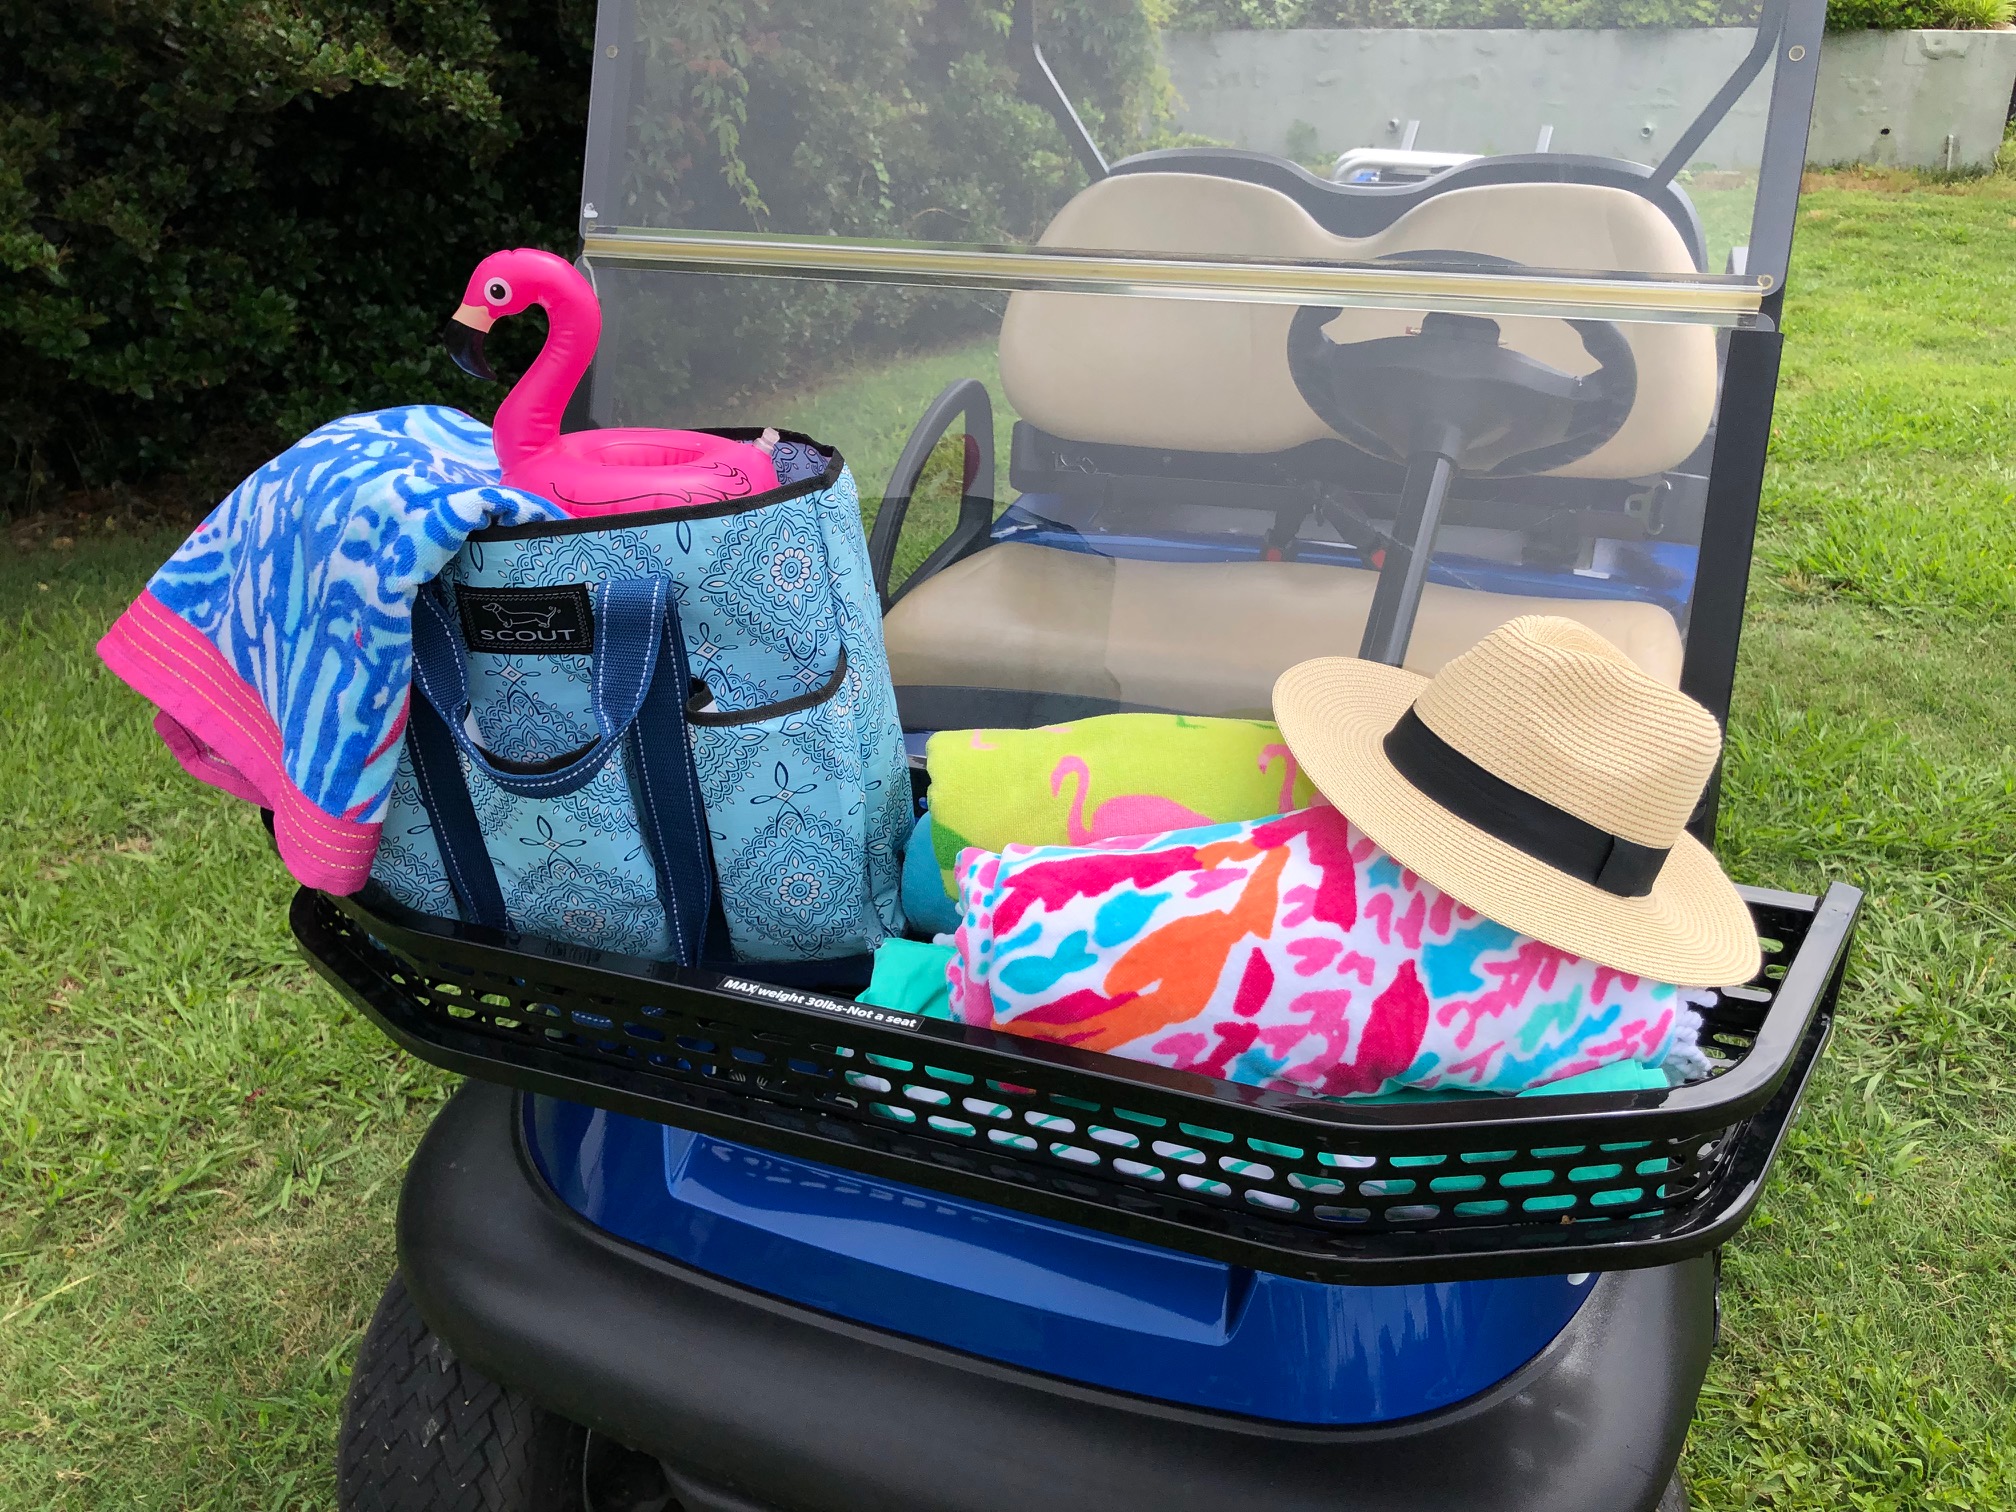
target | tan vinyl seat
x=1202, y=637
x=1199, y=375
x=1203, y=376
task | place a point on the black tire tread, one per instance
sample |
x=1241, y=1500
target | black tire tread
x=421, y=1430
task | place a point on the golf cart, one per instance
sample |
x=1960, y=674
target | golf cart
x=695, y=1241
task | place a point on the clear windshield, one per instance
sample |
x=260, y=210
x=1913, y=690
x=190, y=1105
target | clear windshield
x=1169, y=353
x=974, y=124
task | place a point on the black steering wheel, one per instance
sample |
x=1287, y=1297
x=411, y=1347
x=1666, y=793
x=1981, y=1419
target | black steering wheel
x=1453, y=389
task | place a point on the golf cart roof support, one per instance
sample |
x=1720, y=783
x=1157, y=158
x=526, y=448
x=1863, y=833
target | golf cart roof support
x=608, y=114
x=1729, y=536
x=1040, y=85
x=1786, y=123
x=1769, y=25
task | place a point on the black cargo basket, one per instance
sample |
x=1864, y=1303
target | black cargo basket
x=1298, y=1185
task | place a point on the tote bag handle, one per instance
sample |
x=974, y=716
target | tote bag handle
x=638, y=679
x=629, y=630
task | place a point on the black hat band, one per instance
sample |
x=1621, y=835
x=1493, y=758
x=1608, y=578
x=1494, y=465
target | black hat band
x=1572, y=846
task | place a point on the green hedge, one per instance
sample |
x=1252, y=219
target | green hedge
x=1904, y=15
x=1842, y=15
x=221, y=217
x=237, y=218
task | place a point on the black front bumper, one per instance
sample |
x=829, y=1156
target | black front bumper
x=771, y=1407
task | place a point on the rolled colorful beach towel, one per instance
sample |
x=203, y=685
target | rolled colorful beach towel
x=1291, y=952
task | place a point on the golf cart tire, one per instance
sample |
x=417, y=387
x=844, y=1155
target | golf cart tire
x=422, y=1432
x=1675, y=1499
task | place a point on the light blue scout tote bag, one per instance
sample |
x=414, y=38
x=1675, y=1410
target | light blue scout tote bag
x=621, y=725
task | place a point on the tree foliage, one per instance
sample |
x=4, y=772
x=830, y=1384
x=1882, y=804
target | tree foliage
x=903, y=119
x=221, y=214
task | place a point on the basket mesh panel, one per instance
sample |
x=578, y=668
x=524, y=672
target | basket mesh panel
x=1233, y=1167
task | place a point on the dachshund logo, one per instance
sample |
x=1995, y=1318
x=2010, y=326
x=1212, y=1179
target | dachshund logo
x=518, y=619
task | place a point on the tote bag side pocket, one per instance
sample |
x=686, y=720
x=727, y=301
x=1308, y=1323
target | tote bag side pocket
x=885, y=772
x=788, y=819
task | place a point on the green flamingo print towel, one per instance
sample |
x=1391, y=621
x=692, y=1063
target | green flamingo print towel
x=1104, y=778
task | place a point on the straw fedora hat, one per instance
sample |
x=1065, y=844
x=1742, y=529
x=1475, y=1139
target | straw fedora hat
x=1541, y=779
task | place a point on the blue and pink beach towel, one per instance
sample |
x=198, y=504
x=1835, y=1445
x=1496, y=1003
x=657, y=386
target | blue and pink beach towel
x=277, y=641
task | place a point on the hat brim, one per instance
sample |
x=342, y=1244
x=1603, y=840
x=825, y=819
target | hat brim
x=1692, y=930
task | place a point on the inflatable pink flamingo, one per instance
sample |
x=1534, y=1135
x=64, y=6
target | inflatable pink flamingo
x=593, y=472
x=1127, y=814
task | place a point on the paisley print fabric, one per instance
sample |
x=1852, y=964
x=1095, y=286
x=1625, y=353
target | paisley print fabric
x=1290, y=952
x=571, y=868
x=408, y=864
x=277, y=640
x=770, y=577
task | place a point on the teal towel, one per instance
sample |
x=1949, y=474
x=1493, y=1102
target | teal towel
x=1623, y=1076
x=926, y=904
x=910, y=976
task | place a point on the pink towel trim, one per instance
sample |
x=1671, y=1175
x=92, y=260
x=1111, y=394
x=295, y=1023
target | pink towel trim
x=217, y=726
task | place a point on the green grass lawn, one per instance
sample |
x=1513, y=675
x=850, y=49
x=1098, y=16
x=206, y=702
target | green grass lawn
x=200, y=1147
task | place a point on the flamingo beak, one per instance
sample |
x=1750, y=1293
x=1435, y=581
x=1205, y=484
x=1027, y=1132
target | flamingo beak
x=464, y=340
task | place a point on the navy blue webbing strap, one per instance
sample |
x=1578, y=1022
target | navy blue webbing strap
x=629, y=620
x=671, y=812
x=445, y=796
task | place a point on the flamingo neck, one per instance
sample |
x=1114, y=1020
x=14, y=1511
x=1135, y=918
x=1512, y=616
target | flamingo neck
x=1074, y=823
x=528, y=421
x=1289, y=771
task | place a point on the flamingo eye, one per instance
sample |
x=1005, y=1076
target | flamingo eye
x=497, y=291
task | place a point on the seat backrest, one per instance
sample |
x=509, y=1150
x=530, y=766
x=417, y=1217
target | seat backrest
x=1195, y=375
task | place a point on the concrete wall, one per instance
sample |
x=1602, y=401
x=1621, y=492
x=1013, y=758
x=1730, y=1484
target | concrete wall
x=1892, y=97
x=1884, y=97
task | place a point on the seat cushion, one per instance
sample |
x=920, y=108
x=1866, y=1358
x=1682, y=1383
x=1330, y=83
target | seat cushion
x=1196, y=637
x=1212, y=375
